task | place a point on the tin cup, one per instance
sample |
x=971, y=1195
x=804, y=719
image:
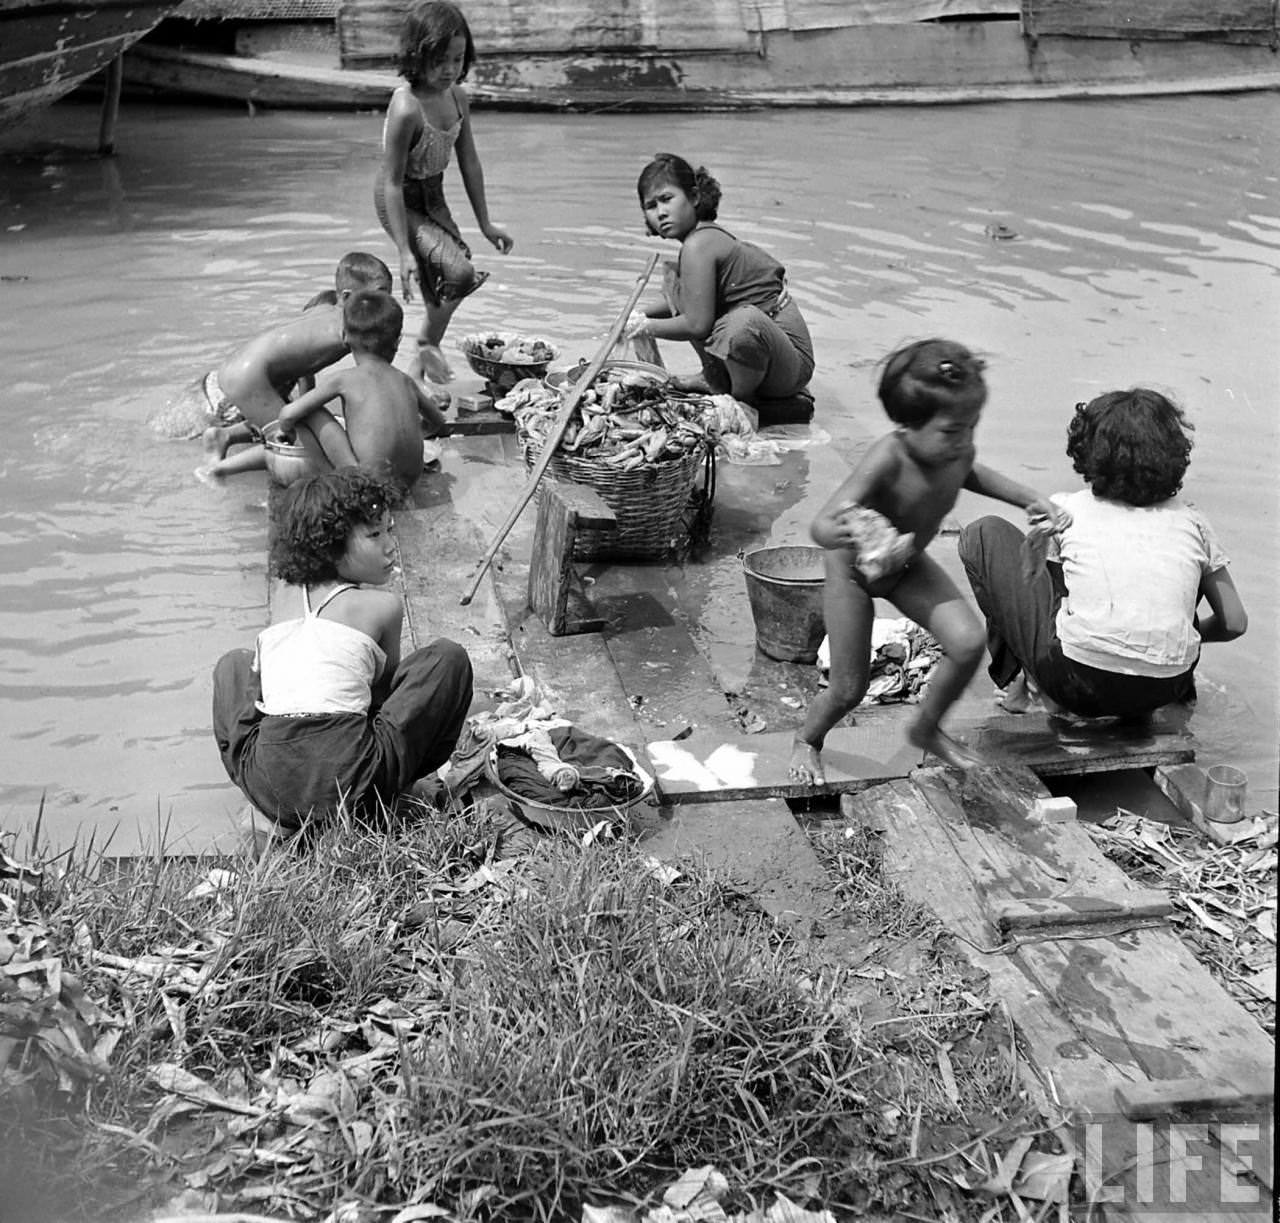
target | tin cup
x=1224, y=794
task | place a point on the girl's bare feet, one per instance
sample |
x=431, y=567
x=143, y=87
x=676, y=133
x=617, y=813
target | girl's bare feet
x=806, y=764
x=950, y=751
x=433, y=364
x=215, y=441
x=1016, y=696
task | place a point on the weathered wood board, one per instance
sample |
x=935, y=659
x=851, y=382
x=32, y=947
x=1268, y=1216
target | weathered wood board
x=1146, y=1101
x=712, y=766
x=1142, y=1000
x=930, y=863
x=555, y=590
x=480, y=423
x=1106, y=1016
x=1052, y=748
x=1184, y=785
x=1013, y=857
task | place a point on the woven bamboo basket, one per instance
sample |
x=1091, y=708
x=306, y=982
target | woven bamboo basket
x=658, y=506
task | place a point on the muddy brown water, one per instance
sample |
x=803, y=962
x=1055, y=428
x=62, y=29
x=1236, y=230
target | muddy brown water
x=1145, y=249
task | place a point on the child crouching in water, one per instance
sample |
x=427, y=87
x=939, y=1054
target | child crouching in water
x=324, y=713
x=385, y=411
x=876, y=528
x=1105, y=619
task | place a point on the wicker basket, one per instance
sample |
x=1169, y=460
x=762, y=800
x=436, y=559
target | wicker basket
x=658, y=507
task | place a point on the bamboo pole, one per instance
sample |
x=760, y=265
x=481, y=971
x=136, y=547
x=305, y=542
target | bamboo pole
x=560, y=424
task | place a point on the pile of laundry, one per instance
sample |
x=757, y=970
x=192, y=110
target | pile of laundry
x=522, y=744
x=627, y=419
x=903, y=656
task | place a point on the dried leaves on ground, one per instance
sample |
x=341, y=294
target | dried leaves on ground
x=454, y=1018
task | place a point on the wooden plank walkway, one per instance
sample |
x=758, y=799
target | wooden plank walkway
x=1104, y=1006
x=1104, y=996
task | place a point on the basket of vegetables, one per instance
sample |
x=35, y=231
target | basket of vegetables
x=638, y=444
x=504, y=360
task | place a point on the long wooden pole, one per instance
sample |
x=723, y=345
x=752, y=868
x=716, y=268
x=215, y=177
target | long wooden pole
x=560, y=424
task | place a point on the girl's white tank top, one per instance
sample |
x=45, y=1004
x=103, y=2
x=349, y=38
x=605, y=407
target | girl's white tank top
x=314, y=666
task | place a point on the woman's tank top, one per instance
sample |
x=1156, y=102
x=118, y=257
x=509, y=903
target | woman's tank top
x=747, y=275
x=429, y=154
x=311, y=666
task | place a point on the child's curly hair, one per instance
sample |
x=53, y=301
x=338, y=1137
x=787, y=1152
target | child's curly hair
x=697, y=184
x=1131, y=446
x=314, y=519
x=425, y=36
x=930, y=376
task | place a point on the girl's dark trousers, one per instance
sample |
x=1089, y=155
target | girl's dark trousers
x=1022, y=633
x=291, y=768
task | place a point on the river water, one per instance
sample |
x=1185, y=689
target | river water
x=1146, y=249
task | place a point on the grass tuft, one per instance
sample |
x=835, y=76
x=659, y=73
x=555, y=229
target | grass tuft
x=421, y=1015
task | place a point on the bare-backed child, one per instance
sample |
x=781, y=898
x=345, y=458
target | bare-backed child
x=876, y=528
x=251, y=386
x=384, y=410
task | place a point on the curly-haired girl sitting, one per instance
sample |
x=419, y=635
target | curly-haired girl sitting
x=324, y=713
x=1103, y=622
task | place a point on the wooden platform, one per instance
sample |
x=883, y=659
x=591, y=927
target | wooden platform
x=1120, y=1021
x=1119, y=1026
x=713, y=767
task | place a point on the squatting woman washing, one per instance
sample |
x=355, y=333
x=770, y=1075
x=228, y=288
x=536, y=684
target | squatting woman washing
x=726, y=297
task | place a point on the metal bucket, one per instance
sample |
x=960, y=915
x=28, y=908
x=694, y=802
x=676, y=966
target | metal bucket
x=785, y=589
x=286, y=461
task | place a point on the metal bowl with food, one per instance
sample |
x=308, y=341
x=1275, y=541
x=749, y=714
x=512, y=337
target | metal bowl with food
x=503, y=360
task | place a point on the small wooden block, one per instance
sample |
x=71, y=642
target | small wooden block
x=475, y=424
x=1159, y=1098
x=473, y=403
x=553, y=580
x=1076, y=911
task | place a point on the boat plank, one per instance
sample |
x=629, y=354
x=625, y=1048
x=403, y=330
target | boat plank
x=1052, y=748
x=1143, y=996
x=930, y=863
x=1149, y=19
x=908, y=63
x=709, y=766
x=1024, y=859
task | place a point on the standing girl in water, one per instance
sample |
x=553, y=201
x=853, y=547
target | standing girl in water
x=428, y=118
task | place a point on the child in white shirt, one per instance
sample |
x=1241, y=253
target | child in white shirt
x=1104, y=621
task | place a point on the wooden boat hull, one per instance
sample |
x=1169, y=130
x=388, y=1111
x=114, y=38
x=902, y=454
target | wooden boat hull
x=265, y=81
x=593, y=54
x=49, y=47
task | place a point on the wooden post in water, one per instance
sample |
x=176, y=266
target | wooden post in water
x=111, y=89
